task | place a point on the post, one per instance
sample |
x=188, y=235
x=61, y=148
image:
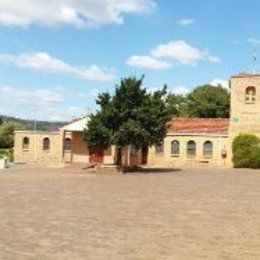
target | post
x=35, y=140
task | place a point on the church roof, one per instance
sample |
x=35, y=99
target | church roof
x=77, y=125
x=199, y=126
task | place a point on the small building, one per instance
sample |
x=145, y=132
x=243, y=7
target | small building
x=193, y=142
x=190, y=142
x=56, y=148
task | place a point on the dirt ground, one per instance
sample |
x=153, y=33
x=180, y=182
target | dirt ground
x=189, y=214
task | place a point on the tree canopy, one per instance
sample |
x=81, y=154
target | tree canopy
x=204, y=102
x=7, y=133
x=131, y=116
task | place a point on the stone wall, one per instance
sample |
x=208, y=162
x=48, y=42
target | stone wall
x=80, y=151
x=35, y=154
x=167, y=159
x=245, y=117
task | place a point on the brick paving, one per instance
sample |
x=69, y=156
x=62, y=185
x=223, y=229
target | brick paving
x=189, y=214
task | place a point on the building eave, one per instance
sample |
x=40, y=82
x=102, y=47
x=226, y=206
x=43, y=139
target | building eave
x=199, y=134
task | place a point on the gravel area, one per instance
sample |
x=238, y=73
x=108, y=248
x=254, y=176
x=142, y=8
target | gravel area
x=188, y=214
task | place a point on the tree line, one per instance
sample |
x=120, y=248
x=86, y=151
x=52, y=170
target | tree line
x=8, y=125
x=204, y=101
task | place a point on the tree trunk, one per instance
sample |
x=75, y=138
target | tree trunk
x=118, y=159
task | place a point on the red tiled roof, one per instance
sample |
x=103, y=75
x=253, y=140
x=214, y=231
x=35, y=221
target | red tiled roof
x=199, y=125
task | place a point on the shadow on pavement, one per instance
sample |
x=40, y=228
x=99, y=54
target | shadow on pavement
x=157, y=170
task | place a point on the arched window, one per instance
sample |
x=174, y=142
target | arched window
x=175, y=148
x=159, y=148
x=68, y=144
x=250, y=97
x=191, y=149
x=208, y=149
x=26, y=143
x=46, y=144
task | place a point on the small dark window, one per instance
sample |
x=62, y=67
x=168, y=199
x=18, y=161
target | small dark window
x=68, y=144
x=26, y=143
x=175, y=148
x=191, y=149
x=250, y=97
x=159, y=148
x=46, y=144
x=208, y=149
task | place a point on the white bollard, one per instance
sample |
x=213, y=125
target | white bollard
x=3, y=164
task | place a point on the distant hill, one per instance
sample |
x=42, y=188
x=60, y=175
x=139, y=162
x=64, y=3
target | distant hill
x=29, y=124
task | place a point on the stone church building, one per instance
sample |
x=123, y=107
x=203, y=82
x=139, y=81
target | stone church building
x=190, y=142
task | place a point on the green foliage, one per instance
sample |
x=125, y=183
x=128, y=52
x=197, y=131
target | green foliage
x=7, y=134
x=177, y=105
x=11, y=155
x=204, y=102
x=255, y=158
x=3, y=153
x=97, y=135
x=209, y=102
x=246, y=151
x=7, y=153
x=130, y=117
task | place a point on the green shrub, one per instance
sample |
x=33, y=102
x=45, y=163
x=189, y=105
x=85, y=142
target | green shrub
x=255, y=159
x=11, y=155
x=7, y=154
x=246, y=151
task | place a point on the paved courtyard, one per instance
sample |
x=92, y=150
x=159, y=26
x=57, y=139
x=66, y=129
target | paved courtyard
x=189, y=214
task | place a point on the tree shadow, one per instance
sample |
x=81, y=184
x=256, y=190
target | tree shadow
x=157, y=170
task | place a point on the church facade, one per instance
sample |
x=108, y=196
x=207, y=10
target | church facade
x=190, y=142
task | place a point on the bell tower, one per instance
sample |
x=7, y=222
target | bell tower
x=245, y=104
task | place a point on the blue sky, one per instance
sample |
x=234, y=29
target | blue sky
x=55, y=58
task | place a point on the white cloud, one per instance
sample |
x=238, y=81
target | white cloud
x=79, y=13
x=186, y=21
x=254, y=41
x=37, y=97
x=40, y=104
x=179, y=90
x=147, y=62
x=182, y=53
x=173, y=53
x=217, y=82
x=213, y=59
x=43, y=62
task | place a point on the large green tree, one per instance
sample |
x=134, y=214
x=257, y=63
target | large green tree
x=204, y=102
x=131, y=116
x=7, y=130
x=208, y=102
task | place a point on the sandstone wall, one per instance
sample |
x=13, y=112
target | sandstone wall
x=167, y=159
x=35, y=152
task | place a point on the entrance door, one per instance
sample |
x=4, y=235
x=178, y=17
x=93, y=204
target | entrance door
x=96, y=155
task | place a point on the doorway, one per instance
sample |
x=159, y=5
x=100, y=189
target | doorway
x=96, y=155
